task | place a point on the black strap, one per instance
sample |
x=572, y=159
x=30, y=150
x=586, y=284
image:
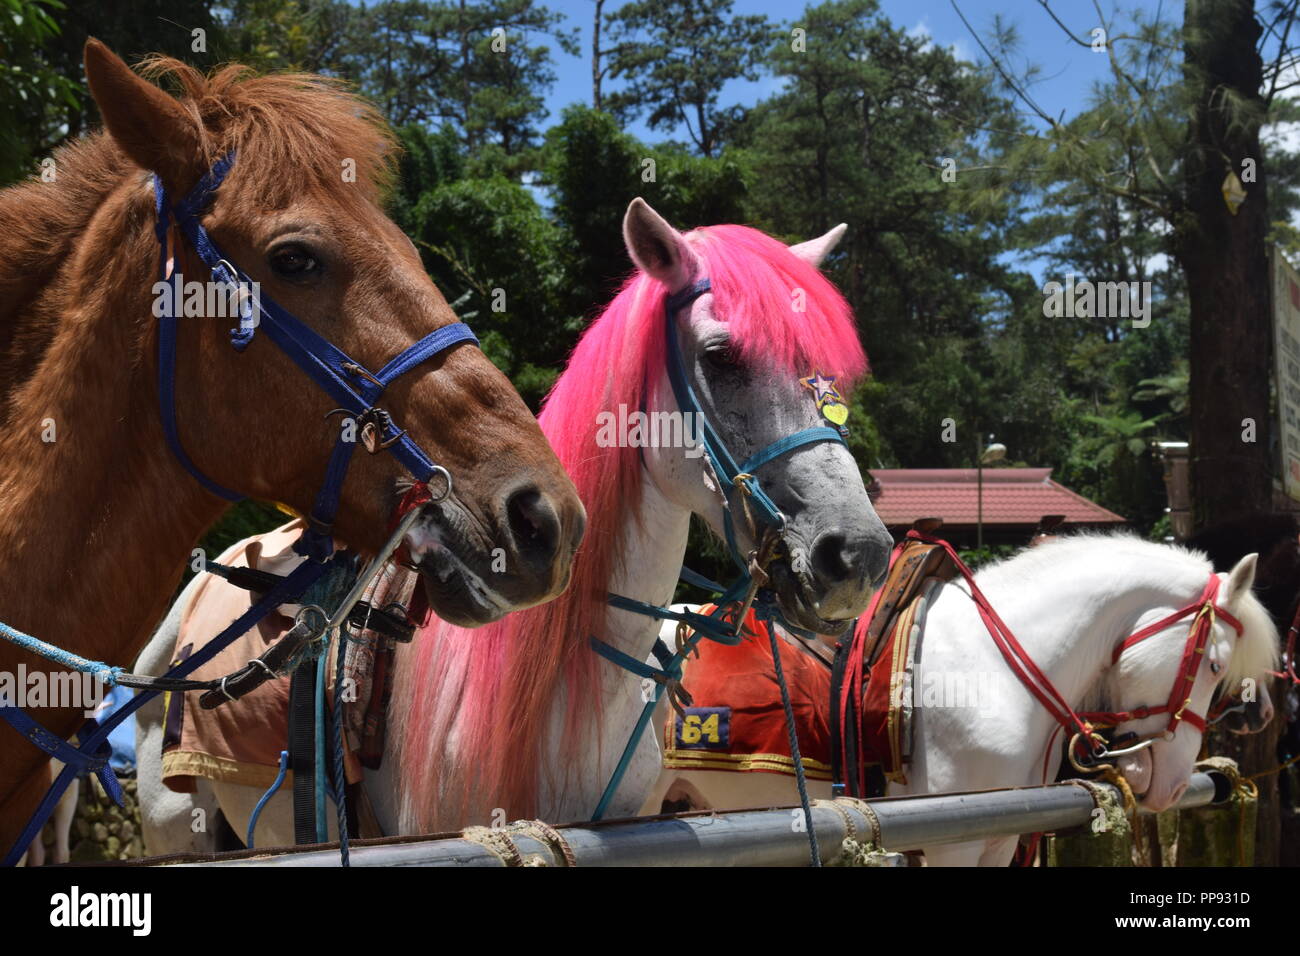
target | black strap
x=302, y=750
x=390, y=621
x=275, y=662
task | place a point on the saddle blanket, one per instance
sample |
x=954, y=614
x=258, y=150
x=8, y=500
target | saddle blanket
x=240, y=741
x=736, y=721
x=888, y=699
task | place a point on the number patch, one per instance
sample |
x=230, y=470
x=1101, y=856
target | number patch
x=704, y=728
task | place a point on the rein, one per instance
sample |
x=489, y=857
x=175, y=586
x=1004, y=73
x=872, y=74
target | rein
x=764, y=521
x=344, y=380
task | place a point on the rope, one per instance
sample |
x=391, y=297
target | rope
x=497, y=842
x=1111, y=775
x=1278, y=768
x=544, y=833
x=340, y=773
x=1243, y=791
x=799, y=778
x=58, y=655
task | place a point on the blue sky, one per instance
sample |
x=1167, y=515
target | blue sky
x=1068, y=70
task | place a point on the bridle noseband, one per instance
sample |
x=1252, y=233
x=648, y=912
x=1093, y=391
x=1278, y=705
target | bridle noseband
x=348, y=382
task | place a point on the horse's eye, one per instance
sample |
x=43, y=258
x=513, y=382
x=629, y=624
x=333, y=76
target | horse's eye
x=293, y=262
x=720, y=357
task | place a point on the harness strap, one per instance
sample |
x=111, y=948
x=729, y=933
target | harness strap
x=294, y=584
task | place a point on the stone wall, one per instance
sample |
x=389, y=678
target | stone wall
x=101, y=831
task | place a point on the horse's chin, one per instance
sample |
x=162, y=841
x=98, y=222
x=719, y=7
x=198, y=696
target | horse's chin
x=798, y=606
x=1153, y=792
x=1136, y=768
x=458, y=595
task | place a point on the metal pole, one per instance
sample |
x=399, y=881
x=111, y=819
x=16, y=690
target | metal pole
x=761, y=837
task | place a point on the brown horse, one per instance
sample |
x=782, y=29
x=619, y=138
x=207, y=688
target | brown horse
x=97, y=517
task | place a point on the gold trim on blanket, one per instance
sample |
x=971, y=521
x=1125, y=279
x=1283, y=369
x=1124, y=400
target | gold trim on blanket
x=766, y=763
x=192, y=763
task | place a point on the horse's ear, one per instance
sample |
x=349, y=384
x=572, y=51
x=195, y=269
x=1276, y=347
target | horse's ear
x=152, y=128
x=815, y=250
x=656, y=247
x=1240, y=579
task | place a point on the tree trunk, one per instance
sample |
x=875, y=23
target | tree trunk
x=595, y=58
x=1225, y=261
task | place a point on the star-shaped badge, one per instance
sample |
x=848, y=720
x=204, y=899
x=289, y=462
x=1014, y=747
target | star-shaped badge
x=823, y=388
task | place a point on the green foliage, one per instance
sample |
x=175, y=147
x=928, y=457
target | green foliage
x=593, y=170
x=925, y=157
x=29, y=86
x=675, y=56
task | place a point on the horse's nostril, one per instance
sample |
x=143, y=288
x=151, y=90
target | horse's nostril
x=534, y=527
x=833, y=561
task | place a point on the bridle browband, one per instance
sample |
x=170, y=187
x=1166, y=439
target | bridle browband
x=345, y=380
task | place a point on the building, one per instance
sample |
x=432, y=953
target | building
x=1015, y=500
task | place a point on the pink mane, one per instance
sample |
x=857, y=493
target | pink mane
x=495, y=687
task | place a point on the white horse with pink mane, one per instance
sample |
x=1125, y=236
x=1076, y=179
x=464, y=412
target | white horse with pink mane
x=1071, y=603
x=521, y=718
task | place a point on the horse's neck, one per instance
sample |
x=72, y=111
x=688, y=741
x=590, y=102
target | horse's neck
x=653, y=548
x=96, y=519
x=1067, y=626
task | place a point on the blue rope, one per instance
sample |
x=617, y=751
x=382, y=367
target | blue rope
x=257, y=810
x=318, y=734
x=75, y=662
x=793, y=735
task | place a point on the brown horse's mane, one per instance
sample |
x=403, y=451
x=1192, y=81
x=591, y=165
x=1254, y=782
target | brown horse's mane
x=291, y=131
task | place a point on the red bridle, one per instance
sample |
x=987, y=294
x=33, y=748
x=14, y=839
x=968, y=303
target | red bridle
x=1180, y=697
x=1085, y=723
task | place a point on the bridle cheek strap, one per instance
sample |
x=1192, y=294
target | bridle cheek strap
x=348, y=383
x=731, y=475
x=1206, y=609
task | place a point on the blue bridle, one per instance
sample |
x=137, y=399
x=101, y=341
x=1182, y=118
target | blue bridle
x=346, y=381
x=759, y=505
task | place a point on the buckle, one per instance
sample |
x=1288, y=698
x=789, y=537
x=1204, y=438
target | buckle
x=373, y=423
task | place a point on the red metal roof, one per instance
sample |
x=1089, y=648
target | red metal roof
x=1012, y=496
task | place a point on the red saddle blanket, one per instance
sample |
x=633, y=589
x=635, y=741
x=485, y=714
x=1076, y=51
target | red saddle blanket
x=888, y=694
x=736, y=721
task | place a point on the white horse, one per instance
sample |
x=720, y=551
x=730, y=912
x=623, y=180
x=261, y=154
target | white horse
x=60, y=820
x=1069, y=602
x=521, y=718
